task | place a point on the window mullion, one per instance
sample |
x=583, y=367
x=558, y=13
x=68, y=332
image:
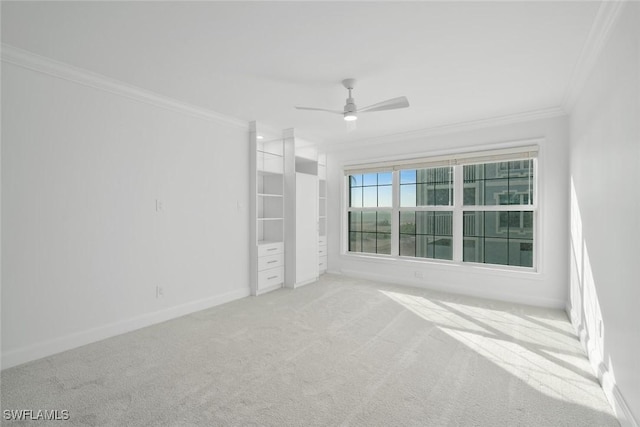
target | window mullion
x=395, y=213
x=500, y=208
x=458, y=197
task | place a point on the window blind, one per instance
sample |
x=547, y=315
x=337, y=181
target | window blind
x=501, y=155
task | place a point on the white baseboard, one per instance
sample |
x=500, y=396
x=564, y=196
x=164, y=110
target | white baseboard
x=269, y=289
x=473, y=292
x=622, y=410
x=305, y=282
x=68, y=342
x=615, y=398
x=569, y=311
x=607, y=381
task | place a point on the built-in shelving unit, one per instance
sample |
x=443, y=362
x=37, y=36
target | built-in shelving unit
x=267, y=211
x=288, y=211
x=322, y=213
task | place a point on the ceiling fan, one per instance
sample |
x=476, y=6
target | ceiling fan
x=351, y=111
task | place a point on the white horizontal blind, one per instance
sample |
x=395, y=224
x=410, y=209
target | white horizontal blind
x=506, y=154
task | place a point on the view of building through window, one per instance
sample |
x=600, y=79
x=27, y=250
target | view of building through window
x=499, y=237
x=497, y=213
x=370, y=228
x=426, y=233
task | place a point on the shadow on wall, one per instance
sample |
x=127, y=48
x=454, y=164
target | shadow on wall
x=584, y=309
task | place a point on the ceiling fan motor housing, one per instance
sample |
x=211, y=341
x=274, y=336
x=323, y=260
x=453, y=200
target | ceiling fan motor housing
x=350, y=106
x=350, y=110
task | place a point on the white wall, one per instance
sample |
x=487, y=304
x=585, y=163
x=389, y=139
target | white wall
x=605, y=214
x=83, y=247
x=545, y=288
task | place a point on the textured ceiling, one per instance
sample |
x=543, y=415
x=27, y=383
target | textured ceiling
x=455, y=61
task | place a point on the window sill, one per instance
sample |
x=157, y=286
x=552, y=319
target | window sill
x=445, y=265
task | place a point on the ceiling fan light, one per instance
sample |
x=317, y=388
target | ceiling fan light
x=350, y=116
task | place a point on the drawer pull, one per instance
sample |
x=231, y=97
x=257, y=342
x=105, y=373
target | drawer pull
x=272, y=249
x=272, y=277
x=272, y=261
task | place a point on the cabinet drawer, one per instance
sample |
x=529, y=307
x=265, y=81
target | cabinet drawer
x=270, y=277
x=270, y=261
x=322, y=251
x=322, y=240
x=322, y=263
x=270, y=249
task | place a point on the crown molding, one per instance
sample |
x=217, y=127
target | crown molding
x=31, y=61
x=457, y=127
x=603, y=24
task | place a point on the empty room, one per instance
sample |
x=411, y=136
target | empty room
x=320, y=213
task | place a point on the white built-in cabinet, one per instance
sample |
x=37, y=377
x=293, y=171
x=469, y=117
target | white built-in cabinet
x=288, y=211
x=301, y=204
x=306, y=232
x=322, y=213
x=267, y=211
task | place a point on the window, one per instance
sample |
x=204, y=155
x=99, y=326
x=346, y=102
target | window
x=370, y=207
x=426, y=207
x=499, y=236
x=470, y=208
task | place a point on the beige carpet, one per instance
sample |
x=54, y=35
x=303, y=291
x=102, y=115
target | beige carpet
x=338, y=352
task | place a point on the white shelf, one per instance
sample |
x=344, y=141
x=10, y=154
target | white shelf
x=269, y=195
x=270, y=153
x=267, y=162
x=273, y=146
x=270, y=207
x=270, y=219
x=269, y=242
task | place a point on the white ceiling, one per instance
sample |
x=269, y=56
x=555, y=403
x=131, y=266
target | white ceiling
x=455, y=61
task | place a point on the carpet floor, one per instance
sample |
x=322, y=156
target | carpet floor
x=341, y=351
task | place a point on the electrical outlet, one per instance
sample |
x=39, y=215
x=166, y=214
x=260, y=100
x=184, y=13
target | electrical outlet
x=159, y=205
x=159, y=292
x=418, y=274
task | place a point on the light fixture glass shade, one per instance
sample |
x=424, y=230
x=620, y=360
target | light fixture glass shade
x=350, y=116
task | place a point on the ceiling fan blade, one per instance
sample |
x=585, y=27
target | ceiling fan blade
x=389, y=104
x=320, y=109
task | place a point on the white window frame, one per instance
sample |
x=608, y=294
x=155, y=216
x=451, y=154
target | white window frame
x=457, y=161
x=372, y=209
x=424, y=208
